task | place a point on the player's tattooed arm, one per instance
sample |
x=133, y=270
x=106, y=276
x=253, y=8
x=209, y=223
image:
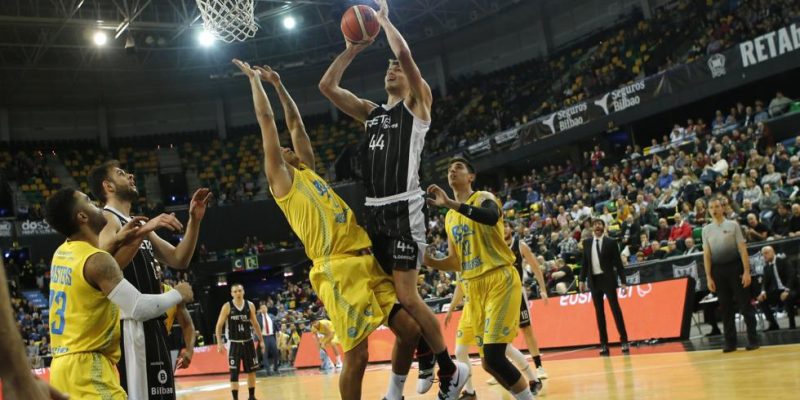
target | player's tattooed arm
x=300, y=140
x=278, y=173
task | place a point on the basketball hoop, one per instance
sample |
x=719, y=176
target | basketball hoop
x=228, y=20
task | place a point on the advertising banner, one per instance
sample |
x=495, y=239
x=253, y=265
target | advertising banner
x=651, y=310
x=31, y=228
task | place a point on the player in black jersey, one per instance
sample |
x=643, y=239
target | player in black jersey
x=238, y=316
x=144, y=374
x=390, y=154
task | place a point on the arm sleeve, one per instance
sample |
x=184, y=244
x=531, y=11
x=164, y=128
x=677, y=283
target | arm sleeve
x=487, y=214
x=141, y=307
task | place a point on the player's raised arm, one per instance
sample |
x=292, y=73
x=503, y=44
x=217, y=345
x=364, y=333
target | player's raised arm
x=342, y=98
x=300, y=140
x=420, y=90
x=278, y=174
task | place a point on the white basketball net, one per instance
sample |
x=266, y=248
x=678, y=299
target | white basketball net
x=228, y=20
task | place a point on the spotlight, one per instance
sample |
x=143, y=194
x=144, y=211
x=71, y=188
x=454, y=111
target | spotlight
x=100, y=38
x=289, y=22
x=205, y=38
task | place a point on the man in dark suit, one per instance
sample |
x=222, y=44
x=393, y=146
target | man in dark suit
x=602, y=265
x=268, y=328
x=779, y=287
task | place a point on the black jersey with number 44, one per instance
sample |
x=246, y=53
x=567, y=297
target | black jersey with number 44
x=391, y=151
x=239, y=322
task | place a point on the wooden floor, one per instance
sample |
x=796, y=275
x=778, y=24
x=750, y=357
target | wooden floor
x=771, y=372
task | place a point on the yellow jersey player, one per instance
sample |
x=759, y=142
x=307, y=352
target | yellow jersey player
x=88, y=295
x=477, y=248
x=326, y=336
x=356, y=293
x=180, y=313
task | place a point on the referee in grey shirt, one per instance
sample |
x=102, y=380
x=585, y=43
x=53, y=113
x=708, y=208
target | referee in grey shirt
x=727, y=267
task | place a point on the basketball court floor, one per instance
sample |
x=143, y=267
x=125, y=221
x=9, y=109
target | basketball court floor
x=694, y=369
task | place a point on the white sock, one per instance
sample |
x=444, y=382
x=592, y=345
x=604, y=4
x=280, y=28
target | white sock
x=520, y=361
x=462, y=354
x=524, y=395
x=396, y=383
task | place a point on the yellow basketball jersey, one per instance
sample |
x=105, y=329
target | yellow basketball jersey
x=480, y=248
x=320, y=218
x=325, y=328
x=82, y=319
x=172, y=310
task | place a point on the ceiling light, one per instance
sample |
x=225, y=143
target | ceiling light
x=289, y=22
x=100, y=38
x=205, y=38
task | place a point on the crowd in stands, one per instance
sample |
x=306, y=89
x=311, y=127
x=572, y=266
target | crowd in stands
x=654, y=199
x=32, y=321
x=476, y=105
x=482, y=105
x=655, y=202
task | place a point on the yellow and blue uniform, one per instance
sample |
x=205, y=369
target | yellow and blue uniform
x=465, y=335
x=327, y=331
x=491, y=284
x=171, y=311
x=84, y=329
x=357, y=294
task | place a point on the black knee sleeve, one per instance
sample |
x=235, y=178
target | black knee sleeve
x=494, y=355
x=235, y=375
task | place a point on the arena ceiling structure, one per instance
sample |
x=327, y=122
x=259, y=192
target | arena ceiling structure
x=69, y=45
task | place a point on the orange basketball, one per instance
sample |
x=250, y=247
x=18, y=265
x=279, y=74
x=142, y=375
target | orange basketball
x=360, y=24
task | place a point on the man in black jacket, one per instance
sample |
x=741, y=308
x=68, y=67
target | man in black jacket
x=602, y=265
x=779, y=286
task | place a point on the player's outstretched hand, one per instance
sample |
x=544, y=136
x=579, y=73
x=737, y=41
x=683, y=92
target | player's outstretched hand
x=245, y=68
x=186, y=292
x=358, y=47
x=167, y=221
x=268, y=74
x=199, y=204
x=220, y=348
x=439, y=198
x=131, y=230
x=383, y=11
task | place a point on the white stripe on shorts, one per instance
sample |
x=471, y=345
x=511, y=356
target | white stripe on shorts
x=135, y=359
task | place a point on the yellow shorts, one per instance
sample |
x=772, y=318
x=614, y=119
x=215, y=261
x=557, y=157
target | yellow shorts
x=333, y=339
x=86, y=376
x=357, y=295
x=465, y=335
x=493, y=306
